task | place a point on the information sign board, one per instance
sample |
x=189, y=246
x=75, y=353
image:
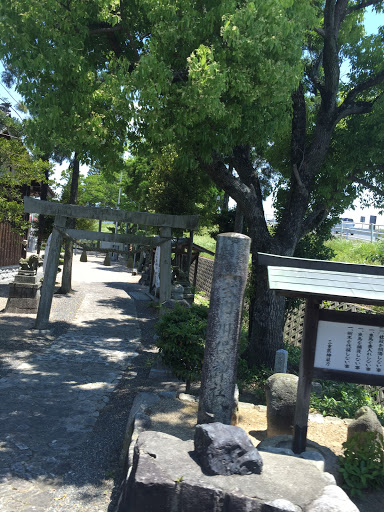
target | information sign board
x=350, y=348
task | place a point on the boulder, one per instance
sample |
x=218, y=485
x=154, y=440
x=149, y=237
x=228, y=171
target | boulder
x=281, y=391
x=165, y=476
x=365, y=421
x=226, y=450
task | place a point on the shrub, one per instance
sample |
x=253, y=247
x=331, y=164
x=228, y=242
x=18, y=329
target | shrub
x=362, y=465
x=182, y=340
x=343, y=399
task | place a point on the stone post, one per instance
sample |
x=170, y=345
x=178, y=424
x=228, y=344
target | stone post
x=281, y=361
x=165, y=265
x=50, y=273
x=221, y=350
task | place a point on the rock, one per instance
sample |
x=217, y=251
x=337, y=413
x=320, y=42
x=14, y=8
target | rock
x=165, y=477
x=83, y=257
x=365, y=421
x=172, y=303
x=226, y=450
x=280, y=505
x=333, y=499
x=177, y=292
x=281, y=391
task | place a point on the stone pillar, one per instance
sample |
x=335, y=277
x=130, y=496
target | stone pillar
x=165, y=265
x=50, y=275
x=230, y=273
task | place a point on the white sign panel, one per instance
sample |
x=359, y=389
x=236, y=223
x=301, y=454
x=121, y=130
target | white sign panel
x=350, y=348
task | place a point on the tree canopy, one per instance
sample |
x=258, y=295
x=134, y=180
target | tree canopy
x=250, y=92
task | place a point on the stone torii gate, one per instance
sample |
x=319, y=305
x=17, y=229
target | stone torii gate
x=63, y=211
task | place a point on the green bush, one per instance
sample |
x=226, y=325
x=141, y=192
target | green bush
x=343, y=399
x=362, y=465
x=182, y=340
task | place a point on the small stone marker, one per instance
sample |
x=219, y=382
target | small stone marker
x=226, y=450
x=107, y=260
x=83, y=257
x=280, y=393
x=218, y=381
x=281, y=361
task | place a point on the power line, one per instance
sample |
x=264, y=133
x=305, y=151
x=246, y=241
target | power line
x=1, y=83
x=7, y=91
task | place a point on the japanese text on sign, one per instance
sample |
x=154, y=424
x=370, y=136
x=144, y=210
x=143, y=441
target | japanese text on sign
x=350, y=347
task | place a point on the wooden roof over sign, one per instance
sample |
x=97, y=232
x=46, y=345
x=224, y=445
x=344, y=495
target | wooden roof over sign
x=326, y=280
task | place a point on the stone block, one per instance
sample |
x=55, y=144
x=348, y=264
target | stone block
x=166, y=477
x=24, y=290
x=21, y=279
x=226, y=450
x=333, y=499
x=195, y=497
x=281, y=392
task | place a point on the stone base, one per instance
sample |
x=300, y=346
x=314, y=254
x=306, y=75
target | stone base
x=166, y=477
x=23, y=298
x=22, y=306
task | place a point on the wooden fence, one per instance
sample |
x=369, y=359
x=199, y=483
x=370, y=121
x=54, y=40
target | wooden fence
x=10, y=245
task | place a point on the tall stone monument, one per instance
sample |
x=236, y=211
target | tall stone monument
x=230, y=273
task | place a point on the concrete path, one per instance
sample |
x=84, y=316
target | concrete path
x=52, y=393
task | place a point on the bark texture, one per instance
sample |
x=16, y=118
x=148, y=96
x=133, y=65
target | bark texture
x=66, y=281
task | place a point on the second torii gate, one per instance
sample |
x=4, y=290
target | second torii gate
x=64, y=211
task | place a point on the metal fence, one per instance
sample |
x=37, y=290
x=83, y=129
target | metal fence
x=359, y=231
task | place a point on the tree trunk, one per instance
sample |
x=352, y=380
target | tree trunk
x=239, y=220
x=43, y=197
x=66, y=281
x=266, y=319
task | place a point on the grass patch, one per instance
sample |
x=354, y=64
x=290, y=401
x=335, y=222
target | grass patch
x=350, y=251
x=204, y=239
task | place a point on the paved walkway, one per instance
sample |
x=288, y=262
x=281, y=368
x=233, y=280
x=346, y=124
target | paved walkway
x=54, y=388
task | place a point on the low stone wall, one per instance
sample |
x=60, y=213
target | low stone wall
x=8, y=273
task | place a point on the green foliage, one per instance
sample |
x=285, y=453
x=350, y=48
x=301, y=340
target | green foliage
x=204, y=239
x=161, y=182
x=224, y=221
x=343, y=399
x=378, y=255
x=350, y=251
x=17, y=171
x=182, y=340
x=362, y=464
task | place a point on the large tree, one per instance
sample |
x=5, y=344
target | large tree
x=247, y=91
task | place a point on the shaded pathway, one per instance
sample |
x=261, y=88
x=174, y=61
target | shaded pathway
x=54, y=387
